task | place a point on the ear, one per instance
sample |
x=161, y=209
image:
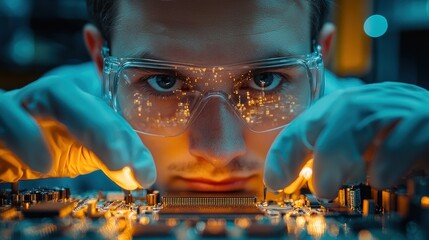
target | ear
x=94, y=43
x=326, y=40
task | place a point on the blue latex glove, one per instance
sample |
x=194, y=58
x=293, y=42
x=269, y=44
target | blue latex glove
x=61, y=127
x=379, y=131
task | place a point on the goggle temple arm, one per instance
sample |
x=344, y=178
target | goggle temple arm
x=107, y=77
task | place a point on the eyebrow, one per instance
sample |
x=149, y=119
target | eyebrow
x=281, y=53
x=145, y=55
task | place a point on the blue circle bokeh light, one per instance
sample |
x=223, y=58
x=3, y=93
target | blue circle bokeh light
x=375, y=26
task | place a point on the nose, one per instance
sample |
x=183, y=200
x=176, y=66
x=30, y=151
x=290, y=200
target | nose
x=216, y=134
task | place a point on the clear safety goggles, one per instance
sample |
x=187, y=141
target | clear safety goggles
x=163, y=98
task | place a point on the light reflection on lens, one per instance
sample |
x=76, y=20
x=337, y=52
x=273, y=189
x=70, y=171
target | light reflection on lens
x=169, y=113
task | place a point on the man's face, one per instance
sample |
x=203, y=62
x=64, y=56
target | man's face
x=217, y=152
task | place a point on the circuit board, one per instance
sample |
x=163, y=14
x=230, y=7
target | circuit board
x=359, y=212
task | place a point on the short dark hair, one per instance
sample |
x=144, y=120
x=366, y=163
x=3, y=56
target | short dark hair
x=102, y=13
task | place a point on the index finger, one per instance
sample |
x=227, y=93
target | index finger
x=287, y=156
x=93, y=123
x=295, y=144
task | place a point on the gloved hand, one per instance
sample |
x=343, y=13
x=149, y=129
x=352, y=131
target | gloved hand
x=379, y=131
x=58, y=127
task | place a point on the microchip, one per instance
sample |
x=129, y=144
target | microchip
x=207, y=205
x=211, y=200
x=49, y=209
x=311, y=201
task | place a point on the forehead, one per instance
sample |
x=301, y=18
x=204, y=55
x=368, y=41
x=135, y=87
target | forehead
x=211, y=31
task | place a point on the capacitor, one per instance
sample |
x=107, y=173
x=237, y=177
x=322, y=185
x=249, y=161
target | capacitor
x=92, y=207
x=39, y=196
x=355, y=198
x=2, y=197
x=368, y=207
x=27, y=197
x=151, y=199
x=44, y=196
x=403, y=204
x=55, y=195
x=21, y=197
x=16, y=201
x=388, y=201
x=33, y=197
x=342, y=197
x=157, y=196
x=128, y=198
x=68, y=193
x=62, y=193
x=376, y=195
x=348, y=200
x=50, y=196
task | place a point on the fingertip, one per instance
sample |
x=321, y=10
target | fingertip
x=381, y=175
x=144, y=169
x=326, y=195
x=276, y=175
x=378, y=182
x=21, y=134
x=273, y=183
x=37, y=157
x=124, y=178
x=326, y=185
x=146, y=178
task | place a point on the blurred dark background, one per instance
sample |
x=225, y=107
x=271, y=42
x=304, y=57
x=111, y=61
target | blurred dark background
x=38, y=35
x=377, y=40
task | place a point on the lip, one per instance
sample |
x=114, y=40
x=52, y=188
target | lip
x=210, y=185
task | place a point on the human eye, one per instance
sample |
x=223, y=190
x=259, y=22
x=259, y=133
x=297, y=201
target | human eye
x=266, y=81
x=154, y=82
x=164, y=83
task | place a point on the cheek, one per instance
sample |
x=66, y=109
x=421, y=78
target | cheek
x=171, y=149
x=166, y=150
x=259, y=143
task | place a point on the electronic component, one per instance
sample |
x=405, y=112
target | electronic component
x=183, y=199
x=357, y=212
x=208, y=205
x=49, y=209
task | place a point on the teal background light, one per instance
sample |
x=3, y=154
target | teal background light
x=375, y=26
